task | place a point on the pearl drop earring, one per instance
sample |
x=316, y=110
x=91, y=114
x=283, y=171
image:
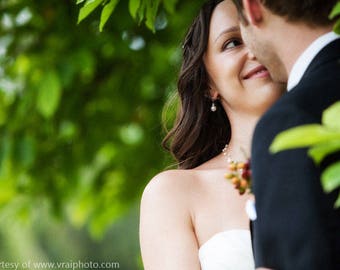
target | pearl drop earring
x=213, y=107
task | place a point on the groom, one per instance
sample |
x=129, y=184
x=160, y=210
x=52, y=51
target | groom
x=297, y=226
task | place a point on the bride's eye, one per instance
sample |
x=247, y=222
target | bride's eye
x=231, y=43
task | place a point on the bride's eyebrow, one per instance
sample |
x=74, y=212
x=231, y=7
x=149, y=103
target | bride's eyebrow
x=228, y=30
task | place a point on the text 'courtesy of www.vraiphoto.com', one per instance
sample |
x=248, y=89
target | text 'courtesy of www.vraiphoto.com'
x=59, y=265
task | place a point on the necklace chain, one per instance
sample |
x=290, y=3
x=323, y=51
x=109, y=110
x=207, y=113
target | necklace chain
x=225, y=153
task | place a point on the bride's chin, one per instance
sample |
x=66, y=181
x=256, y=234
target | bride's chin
x=261, y=85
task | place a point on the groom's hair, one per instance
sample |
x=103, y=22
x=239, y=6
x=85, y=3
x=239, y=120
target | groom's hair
x=311, y=12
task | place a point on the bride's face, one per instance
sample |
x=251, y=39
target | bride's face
x=241, y=82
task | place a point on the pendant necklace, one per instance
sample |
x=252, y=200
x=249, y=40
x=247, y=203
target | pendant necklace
x=239, y=173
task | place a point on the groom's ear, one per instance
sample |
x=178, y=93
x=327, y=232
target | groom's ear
x=253, y=10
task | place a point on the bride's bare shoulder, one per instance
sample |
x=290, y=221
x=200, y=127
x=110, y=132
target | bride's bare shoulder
x=177, y=175
x=170, y=182
x=166, y=200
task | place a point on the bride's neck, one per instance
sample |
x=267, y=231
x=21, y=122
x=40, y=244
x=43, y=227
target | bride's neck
x=242, y=129
x=239, y=146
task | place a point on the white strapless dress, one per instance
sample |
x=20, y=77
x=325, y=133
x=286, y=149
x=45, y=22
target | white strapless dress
x=228, y=250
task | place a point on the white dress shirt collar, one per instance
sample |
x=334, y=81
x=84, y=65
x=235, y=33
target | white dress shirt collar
x=307, y=56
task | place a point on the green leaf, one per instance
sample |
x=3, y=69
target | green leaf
x=320, y=151
x=302, y=136
x=151, y=12
x=106, y=13
x=79, y=2
x=141, y=11
x=335, y=11
x=49, y=92
x=330, y=178
x=337, y=203
x=133, y=7
x=170, y=5
x=330, y=116
x=336, y=27
x=87, y=9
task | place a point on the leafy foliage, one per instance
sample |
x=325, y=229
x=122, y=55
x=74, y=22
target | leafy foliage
x=80, y=111
x=322, y=139
x=139, y=10
x=148, y=9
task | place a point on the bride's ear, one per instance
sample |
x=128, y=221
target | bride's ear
x=214, y=95
x=253, y=11
x=211, y=91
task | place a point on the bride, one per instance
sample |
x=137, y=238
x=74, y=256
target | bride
x=192, y=217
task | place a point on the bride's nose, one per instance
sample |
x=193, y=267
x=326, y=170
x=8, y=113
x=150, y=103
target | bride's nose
x=250, y=55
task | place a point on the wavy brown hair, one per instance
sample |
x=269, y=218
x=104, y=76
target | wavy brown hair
x=198, y=134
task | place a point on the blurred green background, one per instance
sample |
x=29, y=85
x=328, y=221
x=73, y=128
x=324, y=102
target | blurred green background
x=80, y=127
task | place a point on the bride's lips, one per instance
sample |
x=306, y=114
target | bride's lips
x=257, y=72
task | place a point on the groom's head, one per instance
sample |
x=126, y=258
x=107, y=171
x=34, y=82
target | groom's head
x=268, y=25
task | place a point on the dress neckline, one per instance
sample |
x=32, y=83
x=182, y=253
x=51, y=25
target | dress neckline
x=222, y=233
